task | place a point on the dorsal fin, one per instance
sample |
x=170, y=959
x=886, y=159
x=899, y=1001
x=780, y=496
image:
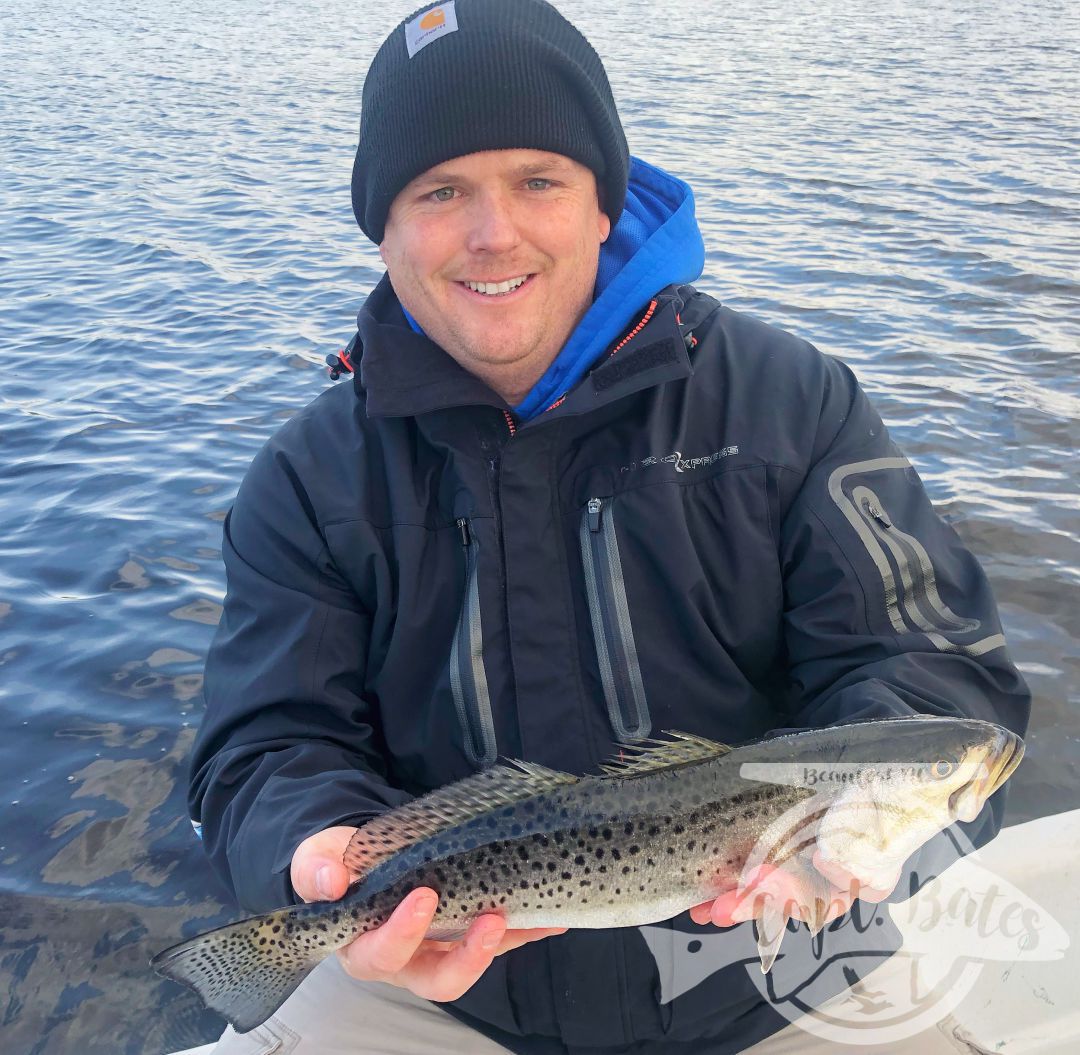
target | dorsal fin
x=501, y=785
x=649, y=756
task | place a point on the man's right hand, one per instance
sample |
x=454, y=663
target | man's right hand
x=397, y=952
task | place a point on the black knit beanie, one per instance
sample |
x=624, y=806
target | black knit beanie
x=470, y=75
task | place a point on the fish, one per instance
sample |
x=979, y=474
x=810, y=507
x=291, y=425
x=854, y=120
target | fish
x=670, y=823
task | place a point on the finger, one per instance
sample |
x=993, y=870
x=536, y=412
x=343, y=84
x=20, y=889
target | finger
x=384, y=952
x=316, y=870
x=448, y=976
x=514, y=939
x=321, y=878
x=702, y=914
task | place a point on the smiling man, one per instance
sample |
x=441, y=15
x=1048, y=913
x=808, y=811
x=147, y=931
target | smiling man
x=567, y=501
x=495, y=256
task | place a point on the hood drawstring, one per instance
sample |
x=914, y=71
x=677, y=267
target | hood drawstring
x=342, y=362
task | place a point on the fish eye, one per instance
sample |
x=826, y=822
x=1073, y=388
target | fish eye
x=942, y=768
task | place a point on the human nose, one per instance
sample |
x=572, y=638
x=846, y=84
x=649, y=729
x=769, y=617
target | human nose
x=493, y=227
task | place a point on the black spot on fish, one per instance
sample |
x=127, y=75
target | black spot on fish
x=691, y=844
x=635, y=849
x=579, y=860
x=616, y=854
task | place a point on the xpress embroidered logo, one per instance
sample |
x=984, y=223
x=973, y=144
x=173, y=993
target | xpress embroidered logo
x=429, y=26
x=681, y=464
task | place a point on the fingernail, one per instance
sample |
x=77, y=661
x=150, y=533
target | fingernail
x=424, y=906
x=322, y=881
x=490, y=940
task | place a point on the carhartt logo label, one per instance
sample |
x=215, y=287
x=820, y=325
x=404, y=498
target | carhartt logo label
x=429, y=26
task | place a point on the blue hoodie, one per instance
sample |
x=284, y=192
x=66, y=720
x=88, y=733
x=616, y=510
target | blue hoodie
x=656, y=243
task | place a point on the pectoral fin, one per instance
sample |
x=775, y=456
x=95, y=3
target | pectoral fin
x=769, y=927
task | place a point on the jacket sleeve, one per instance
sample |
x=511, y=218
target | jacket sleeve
x=289, y=745
x=886, y=611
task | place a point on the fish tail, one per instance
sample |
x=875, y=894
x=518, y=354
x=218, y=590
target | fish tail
x=246, y=971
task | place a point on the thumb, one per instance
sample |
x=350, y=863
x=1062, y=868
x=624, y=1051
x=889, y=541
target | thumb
x=317, y=871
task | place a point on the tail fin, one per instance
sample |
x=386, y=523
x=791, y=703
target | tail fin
x=247, y=970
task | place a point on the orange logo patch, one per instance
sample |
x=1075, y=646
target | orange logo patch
x=433, y=19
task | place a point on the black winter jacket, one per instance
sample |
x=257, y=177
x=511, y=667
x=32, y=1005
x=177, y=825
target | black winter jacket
x=713, y=532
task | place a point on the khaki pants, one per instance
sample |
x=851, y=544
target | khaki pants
x=332, y=1014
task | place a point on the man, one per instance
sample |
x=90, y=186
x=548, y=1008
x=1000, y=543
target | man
x=567, y=501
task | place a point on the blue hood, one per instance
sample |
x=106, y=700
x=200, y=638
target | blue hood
x=656, y=243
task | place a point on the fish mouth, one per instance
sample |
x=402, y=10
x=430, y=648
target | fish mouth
x=1008, y=751
x=999, y=762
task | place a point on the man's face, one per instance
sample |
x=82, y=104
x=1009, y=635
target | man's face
x=498, y=217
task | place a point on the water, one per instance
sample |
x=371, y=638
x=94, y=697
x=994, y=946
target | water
x=898, y=183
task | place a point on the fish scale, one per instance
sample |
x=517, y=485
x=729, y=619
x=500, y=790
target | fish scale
x=671, y=824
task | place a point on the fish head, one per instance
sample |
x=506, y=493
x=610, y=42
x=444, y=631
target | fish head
x=919, y=777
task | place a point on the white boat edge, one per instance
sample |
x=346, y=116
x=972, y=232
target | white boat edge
x=1019, y=1007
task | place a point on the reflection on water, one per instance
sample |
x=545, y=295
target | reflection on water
x=896, y=185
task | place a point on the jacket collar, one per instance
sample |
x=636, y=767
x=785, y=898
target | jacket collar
x=404, y=374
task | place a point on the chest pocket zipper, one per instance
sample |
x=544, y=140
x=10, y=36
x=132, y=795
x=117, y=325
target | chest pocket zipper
x=620, y=673
x=468, y=678
x=914, y=592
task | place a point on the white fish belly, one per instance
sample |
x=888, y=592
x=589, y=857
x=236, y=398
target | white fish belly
x=599, y=916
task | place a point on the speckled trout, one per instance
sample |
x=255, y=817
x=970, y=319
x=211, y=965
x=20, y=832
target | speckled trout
x=672, y=823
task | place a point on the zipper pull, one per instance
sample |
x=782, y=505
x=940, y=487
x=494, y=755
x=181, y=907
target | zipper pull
x=873, y=510
x=466, y=534
x=596, y=506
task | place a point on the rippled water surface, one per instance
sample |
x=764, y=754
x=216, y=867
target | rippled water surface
x=896, y=182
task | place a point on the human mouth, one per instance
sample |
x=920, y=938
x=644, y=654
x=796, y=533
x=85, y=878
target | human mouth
x=503, y=288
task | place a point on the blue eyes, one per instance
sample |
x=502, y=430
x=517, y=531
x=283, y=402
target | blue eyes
x=445, y=194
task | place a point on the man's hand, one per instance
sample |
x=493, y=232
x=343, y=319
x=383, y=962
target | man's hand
x=769, y=882
x=397, y=952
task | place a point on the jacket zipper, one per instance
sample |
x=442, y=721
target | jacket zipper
x=468, y=678
x=620, y=672
x=916, y=591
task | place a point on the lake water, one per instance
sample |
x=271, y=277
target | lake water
x=897, y=182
